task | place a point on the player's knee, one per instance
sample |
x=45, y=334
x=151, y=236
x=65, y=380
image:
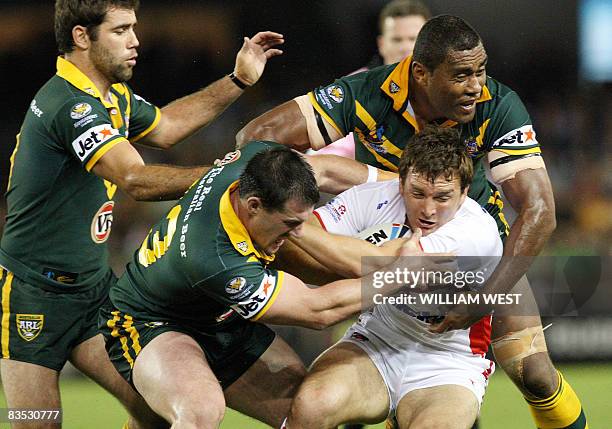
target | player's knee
x=316, y=404
x=540, y=378
x=206, y=414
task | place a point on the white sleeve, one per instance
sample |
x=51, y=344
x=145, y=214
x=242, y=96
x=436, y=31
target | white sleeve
x=341, y=215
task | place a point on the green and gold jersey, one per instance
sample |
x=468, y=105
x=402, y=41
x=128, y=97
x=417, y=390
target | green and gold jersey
x=374, y=105
x=59, y=214
x=198, y=265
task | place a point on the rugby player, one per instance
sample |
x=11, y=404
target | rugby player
x=389, y=363
x=73, y=151
x=182, y=324
x=445, y=82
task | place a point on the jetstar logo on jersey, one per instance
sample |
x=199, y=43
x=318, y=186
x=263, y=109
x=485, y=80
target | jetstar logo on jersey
x=102, y=223
x=87, y=142
x=29, y=326
x=258, y=300
x=516, y=139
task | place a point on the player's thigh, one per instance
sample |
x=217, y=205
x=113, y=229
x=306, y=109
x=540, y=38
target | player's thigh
x=91, y=359
x=266, y=389
x=441, y=407
x=345, y=381
x=28, y=385
x=172, y=374
x=514, y=318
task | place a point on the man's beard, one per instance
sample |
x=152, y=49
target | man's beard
x=107, y=65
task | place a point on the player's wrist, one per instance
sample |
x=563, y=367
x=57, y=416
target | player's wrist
x=240, y=83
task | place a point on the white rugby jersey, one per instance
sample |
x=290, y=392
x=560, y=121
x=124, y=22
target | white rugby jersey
x=472, y=232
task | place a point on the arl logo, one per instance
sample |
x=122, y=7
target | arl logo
x=102, y=223
x=29, y=326
x=84, y=144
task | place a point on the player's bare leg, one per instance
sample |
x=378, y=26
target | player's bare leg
x=343, y=386
x=24, y=384
x=172, y=374
x=440, y=407
x=90, y=357
x=266, y=389
x=520, y=349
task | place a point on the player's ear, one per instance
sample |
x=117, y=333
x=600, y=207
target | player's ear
x=253, y=205
x=419, y=72
x=80, y=37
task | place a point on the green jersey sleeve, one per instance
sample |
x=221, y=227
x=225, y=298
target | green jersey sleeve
x=144, y=116
x=510, y=129
x=336, y=104
x=249, y=289
x=83, y=126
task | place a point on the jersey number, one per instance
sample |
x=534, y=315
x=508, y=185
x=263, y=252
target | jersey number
x=148, y=256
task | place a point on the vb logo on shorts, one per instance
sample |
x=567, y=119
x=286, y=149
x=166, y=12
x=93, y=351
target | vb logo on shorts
x=29, y=326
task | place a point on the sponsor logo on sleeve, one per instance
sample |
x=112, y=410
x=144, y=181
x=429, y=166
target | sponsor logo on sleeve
x=336, y=93
x=251, y=306
x=322, y=97
x=517, y=138
x=34, y=108
x=29, y=326
x=336, y=209
x=102, y=223
x=80, y=110
x=90, y=140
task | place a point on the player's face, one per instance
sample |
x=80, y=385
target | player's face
x=113, y=54
x=398, y=36
x=270, y=229
x=431, y=205
x=456, y=84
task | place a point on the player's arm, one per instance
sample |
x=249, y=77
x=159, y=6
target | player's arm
x=530, y=194
x=336, y=174
x=342, y=254
x=319, y=308
x=296, y=124
x=123, y=166
x=185, y=116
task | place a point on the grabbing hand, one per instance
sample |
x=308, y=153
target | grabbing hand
x=461, y=316
x=255, y=52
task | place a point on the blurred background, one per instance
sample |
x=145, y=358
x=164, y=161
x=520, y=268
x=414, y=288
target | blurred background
x=556, y=54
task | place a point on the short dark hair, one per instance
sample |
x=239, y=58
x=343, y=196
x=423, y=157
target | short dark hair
x=88, y=13
x=276, y=176
x=441, y=35
x=400, y=8
x=436, y=151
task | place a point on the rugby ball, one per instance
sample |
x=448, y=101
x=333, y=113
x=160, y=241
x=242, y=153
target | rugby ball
x=380, y=234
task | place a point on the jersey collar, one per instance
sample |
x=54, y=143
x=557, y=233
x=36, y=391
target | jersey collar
x=396, y=87
x=236, y=231
x=71, y=73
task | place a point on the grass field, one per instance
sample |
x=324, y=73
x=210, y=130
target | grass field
x=86, y=406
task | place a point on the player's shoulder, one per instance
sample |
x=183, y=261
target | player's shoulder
x=472, y=229
x=387, y=189
x=497, y=94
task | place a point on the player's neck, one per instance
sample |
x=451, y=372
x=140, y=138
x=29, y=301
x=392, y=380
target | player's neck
x=84, y=64
x=424, y=112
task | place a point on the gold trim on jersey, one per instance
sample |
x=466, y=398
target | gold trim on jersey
x=6, y=313
x=388, y=164
x=369, y=122
x=236, y=231
x=519, y=151
x=315, y=104
x=279, y=285
x=481, y=133
x=12, y=159
x=96, y=156
x=396, y=87
x=150, y=128
x=71, y=73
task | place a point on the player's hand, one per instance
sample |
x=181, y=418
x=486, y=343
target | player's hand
x=461, y=316
x=255, y=52
x=412, y=246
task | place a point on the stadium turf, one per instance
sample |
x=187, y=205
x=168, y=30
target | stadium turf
x=86, y=406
